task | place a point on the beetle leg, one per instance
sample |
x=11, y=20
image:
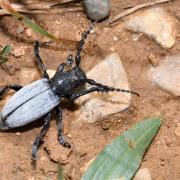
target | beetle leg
x=39, y=60
x=107, y=88
x=40, y=135
x=59, y=126
x=14, y=87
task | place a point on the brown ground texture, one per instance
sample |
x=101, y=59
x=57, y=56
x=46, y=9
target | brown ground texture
x=163, y=156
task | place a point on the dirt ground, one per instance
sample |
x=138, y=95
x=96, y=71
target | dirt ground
x=163, y=156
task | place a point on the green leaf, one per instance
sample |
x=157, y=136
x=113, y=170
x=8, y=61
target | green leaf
x=5, y=4
x=60, y=172
x=33, y=26
x=5, y=51
x=121, y=158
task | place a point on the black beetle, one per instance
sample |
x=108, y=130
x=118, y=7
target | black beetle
x=37, y=99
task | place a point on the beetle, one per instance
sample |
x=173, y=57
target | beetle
x=37, y=99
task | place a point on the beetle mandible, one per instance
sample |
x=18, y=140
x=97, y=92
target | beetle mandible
x=38, y=98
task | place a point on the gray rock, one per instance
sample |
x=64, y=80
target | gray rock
x=97, y=10
x=96, y=105
x=167, y=74
x=155, y=23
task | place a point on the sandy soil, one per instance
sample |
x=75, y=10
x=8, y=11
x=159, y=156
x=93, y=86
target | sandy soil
x=163, y=156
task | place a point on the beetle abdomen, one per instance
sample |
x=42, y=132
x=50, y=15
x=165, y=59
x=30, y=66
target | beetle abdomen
x=28, y=104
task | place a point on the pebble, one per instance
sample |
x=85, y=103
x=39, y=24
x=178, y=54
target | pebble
x=8, y=67
x=95, y=105
x=18, y=134
x=51, y=72
x=43, y=158
x=69, y=135
x=19, y=51
x=156, y=23
x=106, y=125
x=97, y=10
x=153, y=60
x=19, y=30
x=28, y=32
x=143, y=174
x=167, y=74
x=115, y=38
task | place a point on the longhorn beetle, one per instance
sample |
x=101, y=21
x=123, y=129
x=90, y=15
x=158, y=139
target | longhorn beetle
x=38, y=98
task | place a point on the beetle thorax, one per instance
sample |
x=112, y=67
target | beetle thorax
x=65, y=83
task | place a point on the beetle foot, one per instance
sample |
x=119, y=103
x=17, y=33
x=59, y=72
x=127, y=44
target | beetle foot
x=64, y=143
x=34, y=150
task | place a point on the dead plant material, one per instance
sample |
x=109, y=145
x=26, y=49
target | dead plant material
x=40, y=8
x=133, y=9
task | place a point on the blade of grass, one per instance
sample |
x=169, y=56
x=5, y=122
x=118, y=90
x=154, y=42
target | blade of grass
x=4, y=52
x=60, y=172
x=121, y=158
x=5, y=4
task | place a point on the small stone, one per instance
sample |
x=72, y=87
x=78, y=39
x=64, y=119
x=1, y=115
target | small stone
x=155, y=23
x=167, y=74
x=78, y=14
x=18, y=134
x=112, y=49
x=20, y=30
x=143, y=174
x=153, y=60
x=97, y=10
x=106, y=125
x=19, y=51
x=69, y=135
x=162, y=163
x=43, y=158
x=94, y=106
x=177, y=131
x=51, y=72
x=28, y=32
x=8, y=67
x=115, y=38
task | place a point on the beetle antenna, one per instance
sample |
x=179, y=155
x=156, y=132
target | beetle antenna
x=81, y=43
x=105, y=88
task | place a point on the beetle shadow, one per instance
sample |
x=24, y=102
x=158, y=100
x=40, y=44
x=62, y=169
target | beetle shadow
x=36, y=124
x=69, y=105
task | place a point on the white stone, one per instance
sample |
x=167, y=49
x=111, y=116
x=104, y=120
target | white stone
x=51, y=72
x=155, y=23
x=97, y=105
x=19, y=51
x=143, y=174
x=167, y=74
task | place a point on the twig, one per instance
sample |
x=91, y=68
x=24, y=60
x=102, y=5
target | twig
x=43, y=8
x=47, y=5
x=133, y=9
x=50, y=11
